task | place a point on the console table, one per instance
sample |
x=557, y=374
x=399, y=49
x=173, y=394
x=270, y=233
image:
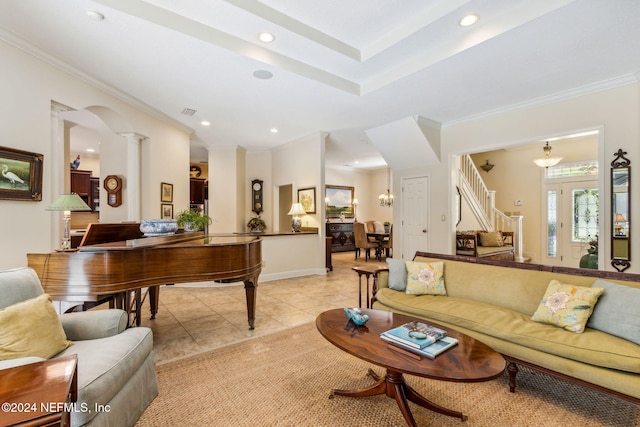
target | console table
x=341, y=234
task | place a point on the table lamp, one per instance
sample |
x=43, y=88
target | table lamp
x=68, y=203
x=296, y=222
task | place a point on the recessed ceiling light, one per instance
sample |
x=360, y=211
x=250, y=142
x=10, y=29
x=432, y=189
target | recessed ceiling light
x=90, y=150
x=469, y=20
x=266, y=37
x=205, y=123
x=95, y=15
x=262, y=74
x=273, y=130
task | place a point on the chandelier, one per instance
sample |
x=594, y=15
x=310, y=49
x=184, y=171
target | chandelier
x=547, y=160
x=386, y=199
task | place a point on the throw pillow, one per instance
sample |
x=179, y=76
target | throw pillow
x=567, y=306
x=397, y=274
x=425, y=278
x=617, y=311
x=491, y=238
x=31, y=328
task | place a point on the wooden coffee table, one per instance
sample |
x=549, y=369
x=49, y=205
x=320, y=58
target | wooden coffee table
x=469, y=361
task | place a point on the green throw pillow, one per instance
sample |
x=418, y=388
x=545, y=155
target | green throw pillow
x=425, y=278
x=617, y=311
x=567, y=306
x=31, y=328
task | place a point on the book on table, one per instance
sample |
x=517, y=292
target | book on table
x=430, y=351
x=415, y=334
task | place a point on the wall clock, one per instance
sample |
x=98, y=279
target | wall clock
x=113, y=185
x=256, y=196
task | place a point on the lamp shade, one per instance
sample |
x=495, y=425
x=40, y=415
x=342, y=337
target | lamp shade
x=620, y=218
x=296, y=209
x=69, y=202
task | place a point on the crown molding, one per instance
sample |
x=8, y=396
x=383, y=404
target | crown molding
x=37, y=53
x=556, y=97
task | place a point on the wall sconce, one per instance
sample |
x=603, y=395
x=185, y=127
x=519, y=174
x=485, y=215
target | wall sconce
x=487, y=167
x=296, y=222
x=355, y=204
x=67, y=203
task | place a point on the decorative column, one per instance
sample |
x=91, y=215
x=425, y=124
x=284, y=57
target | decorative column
x=59, y=181
x=133, y=180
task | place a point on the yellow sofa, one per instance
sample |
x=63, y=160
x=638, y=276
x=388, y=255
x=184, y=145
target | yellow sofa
x=493, y=301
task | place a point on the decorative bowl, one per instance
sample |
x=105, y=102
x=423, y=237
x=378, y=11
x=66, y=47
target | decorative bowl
x=158, y=227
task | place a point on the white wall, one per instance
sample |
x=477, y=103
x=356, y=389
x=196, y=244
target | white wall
x=29, y=86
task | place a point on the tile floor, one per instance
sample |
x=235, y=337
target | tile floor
x=202, y=316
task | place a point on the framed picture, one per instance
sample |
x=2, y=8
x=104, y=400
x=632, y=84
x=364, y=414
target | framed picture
x=339, y=201
x=166, y=192
x=307, y=198
x=21, y=177
x=167, y=211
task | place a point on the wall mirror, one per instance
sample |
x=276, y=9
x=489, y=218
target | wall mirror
x=620, y=212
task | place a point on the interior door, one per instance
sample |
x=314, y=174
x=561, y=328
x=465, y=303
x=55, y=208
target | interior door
x=415, y=216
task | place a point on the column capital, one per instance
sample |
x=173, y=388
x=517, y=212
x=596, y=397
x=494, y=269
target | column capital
x=133, y=136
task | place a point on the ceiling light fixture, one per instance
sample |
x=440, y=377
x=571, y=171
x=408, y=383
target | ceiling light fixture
x=95, y=15
x=386, y=200
x=273, y=130
x=266, y=37
x=262, y=74
x=205, y=123
x=547, y=160
x=469, y=20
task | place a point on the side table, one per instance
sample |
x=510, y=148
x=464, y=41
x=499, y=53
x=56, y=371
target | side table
x=367, y=272
x=39, y=394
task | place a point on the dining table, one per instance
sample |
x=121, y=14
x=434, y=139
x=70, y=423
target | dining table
x=380, y=238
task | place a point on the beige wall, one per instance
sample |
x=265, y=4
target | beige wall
x=29, y=86
x=614, y=111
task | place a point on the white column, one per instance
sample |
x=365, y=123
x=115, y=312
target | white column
x=59, y=181
x=516, y=226
x=133, y=179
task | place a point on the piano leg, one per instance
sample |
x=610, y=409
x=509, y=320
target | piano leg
x=250, y=290
x=154, y=297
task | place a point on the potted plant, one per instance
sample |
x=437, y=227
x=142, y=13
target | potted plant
x=387, y=226
x=256, y=225
x=192, y=220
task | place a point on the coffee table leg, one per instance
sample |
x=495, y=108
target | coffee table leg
x=418, y=399
x=395, y=387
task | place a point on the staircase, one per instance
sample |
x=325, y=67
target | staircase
x=482, y=202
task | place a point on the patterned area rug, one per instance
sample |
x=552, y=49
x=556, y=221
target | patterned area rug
x=284, y=379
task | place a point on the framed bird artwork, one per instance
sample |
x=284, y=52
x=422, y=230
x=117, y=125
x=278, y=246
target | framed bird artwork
x=20, y=175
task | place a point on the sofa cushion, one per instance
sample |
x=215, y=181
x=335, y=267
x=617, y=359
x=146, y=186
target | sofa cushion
x=31, y=328
x=567, y=306
x=425, y=278
x=397, y=274
x=592, y=347
x=617, y=311
x=106, y=364
x=491, y=238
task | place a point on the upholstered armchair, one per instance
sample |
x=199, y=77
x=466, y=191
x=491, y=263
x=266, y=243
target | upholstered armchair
x=360, y=237
x=116, y=367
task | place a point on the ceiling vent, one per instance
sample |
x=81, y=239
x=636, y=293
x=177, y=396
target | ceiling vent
x=188, y=111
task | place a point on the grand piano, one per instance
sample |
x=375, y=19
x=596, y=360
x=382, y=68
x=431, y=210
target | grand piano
x=117, y=271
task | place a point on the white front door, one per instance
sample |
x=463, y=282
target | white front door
x=415, y=216
x=572, y=215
